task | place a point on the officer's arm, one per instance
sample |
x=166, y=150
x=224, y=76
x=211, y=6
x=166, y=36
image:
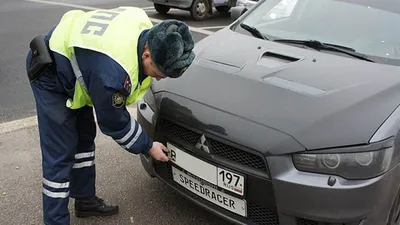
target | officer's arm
x=105, y=81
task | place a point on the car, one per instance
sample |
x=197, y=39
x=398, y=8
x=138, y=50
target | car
x=288, y=116
x=199, y=9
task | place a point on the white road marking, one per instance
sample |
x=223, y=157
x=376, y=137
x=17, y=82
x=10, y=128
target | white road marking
x=154, y=20
x=212, y=27
x=149, y=7
x=18, y=124
x=153, y=10
x=32, y=121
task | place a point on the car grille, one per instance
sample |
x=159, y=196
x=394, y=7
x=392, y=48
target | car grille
x=180, y=133
x=261, y=215
x=306, y=222
x=301, y=221
x=257, y=214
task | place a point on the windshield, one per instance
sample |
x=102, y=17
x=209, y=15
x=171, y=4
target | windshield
x=370, y=27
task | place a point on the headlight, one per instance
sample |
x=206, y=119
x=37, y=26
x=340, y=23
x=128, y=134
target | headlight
x=363, y=165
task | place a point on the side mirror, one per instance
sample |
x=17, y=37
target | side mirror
x=237, y=11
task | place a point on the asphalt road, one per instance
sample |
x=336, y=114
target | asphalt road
x=120, y=177
x=21, y=20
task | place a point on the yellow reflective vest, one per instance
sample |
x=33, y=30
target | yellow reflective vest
x=113, y=32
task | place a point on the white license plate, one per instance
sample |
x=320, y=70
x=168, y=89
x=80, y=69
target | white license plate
x=207, y=192
x=219, y=176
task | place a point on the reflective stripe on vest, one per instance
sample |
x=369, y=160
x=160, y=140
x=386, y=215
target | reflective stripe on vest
x=113, y=32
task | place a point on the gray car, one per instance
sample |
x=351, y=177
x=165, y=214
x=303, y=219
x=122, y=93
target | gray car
x=288, y=116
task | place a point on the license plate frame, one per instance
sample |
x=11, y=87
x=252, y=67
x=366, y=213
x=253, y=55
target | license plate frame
x=208, y=192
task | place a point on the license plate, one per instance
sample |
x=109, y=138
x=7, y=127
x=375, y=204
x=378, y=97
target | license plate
x=226, y=179
x=230, y=181
x=209, y=193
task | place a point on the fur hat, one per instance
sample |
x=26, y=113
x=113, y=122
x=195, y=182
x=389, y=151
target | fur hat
x=171, y=43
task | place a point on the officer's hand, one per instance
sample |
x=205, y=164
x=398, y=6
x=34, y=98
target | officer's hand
x=157, y=152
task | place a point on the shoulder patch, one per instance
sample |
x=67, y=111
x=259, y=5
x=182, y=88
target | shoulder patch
x=128, y=84
x=118, y=100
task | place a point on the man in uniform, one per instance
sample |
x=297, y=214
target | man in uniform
x=102, y=59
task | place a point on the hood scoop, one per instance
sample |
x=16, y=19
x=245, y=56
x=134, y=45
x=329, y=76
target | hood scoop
x=275, y=59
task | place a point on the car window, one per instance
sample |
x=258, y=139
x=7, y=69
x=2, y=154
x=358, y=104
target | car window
x=370, y=27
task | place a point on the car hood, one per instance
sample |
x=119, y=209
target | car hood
x=270, y=94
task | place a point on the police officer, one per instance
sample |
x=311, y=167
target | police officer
x=106, y=60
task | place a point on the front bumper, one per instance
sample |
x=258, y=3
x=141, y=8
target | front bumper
x=281, y=195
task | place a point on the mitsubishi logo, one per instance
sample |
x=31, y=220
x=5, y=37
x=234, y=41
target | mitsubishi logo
x=202, y=144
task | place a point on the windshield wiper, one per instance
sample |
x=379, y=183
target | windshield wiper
x=254, y=31
x=326, y=46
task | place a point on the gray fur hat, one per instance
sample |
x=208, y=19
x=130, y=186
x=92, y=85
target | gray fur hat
x=171, y=43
